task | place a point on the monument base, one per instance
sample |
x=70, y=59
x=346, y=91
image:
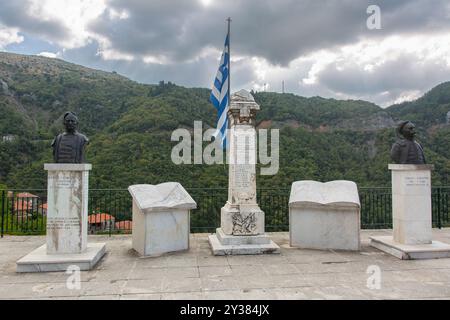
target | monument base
x=233, y=219
x=434, y=250
x=222, y=244
x=39, y=261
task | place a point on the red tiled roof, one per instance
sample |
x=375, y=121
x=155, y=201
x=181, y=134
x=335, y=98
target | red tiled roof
x=100, y=217
x=124, y=225
x=26, y=195
x=22, y=205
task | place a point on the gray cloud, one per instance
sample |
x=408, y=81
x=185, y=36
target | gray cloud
x=197, y=73
x=393, y=77
x=279, y=31
x=15, y=14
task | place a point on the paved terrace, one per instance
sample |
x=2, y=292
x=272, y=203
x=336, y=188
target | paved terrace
x=196, y=274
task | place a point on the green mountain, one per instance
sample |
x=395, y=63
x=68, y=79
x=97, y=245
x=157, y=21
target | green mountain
x=130, y=126
x=429, y=110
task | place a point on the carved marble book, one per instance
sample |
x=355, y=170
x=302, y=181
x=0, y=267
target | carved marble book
x=150, y=197
x=333, y=193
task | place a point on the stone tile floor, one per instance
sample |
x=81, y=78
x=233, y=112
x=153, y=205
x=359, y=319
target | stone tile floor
x=196, y=274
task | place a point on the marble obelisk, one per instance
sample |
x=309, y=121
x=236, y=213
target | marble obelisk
x=242, y=220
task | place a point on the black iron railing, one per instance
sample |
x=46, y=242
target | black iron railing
x=376, y=208
x=110, y=211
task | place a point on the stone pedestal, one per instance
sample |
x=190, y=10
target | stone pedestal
x=242, y=221
x=411, y=215
x=324, y=215
x=160, y=218
x=67, y=223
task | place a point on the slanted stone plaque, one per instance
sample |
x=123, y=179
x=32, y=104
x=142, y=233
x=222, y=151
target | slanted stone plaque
x=411, y=215
x=324, y=215
x=242, y=220
x=160, y=218
x=67, y=223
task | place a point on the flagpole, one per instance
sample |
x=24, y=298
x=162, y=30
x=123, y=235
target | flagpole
x=229, y=60
x=229, y=78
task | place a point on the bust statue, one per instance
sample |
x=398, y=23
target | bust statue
x=406, y=150
x=68, y=147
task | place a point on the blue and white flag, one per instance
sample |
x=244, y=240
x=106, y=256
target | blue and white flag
x=219, y=94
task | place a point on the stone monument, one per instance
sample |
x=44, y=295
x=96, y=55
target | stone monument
x=160, y=218
x=67, y=213
x=324, y=215
x=242, y=221
x=411, y=202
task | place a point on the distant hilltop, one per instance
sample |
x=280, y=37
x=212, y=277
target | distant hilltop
x=34, y=86
x=131, y=123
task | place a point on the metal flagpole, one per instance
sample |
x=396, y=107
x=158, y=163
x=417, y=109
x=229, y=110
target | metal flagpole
x=229, y=84
x=229, y=60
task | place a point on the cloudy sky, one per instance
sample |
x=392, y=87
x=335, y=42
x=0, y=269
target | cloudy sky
x=317, y=47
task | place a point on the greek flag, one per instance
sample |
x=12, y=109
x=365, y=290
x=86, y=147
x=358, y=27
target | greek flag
x=219, y=94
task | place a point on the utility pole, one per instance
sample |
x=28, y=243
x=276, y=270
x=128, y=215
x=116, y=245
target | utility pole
x=282, y=86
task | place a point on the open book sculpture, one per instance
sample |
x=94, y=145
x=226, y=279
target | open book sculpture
x=150, y=197
x=324, y=215
x=334, y=193
x=161, y=215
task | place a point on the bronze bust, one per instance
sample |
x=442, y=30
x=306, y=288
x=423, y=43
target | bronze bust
x=68, y=147
x=406, y=150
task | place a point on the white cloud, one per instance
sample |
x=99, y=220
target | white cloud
x=206, y=2
x=385, y=71
x=75, y=15
x=9, y=36
x=107, y=52
x=49, y=54
x=314, y=51
x=114, y=14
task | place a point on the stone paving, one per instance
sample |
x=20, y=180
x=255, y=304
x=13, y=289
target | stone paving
x=196, y=274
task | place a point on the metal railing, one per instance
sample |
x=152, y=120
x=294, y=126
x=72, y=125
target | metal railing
x=110, y=210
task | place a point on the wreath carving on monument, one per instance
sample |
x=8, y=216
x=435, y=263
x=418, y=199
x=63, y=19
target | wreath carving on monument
x=243, y=224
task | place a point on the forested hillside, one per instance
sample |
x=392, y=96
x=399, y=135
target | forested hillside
x=129, y=125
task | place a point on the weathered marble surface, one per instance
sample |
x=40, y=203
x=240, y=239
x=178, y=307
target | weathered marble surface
x=241, y=214
x=150, y=197
x=411, y=216
x=324, y=215
x=411, y=203
x=241, y=217
x=67, y=223
x=433, y=250
x=161, y=218
x=337, y=193
x=39, y=261
x=223, y=245
x=67, y=198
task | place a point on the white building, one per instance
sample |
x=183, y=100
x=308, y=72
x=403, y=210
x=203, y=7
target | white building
x=8, y=138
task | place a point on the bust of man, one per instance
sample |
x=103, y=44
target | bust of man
x=406, y=150
x=68, y=147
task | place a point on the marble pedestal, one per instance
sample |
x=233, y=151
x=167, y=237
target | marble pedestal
x=241, y=232
x=411, y=216
x=67, y=223
x=39, y=261
x=161, y=218
x=222, y=244
x=324, y=215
